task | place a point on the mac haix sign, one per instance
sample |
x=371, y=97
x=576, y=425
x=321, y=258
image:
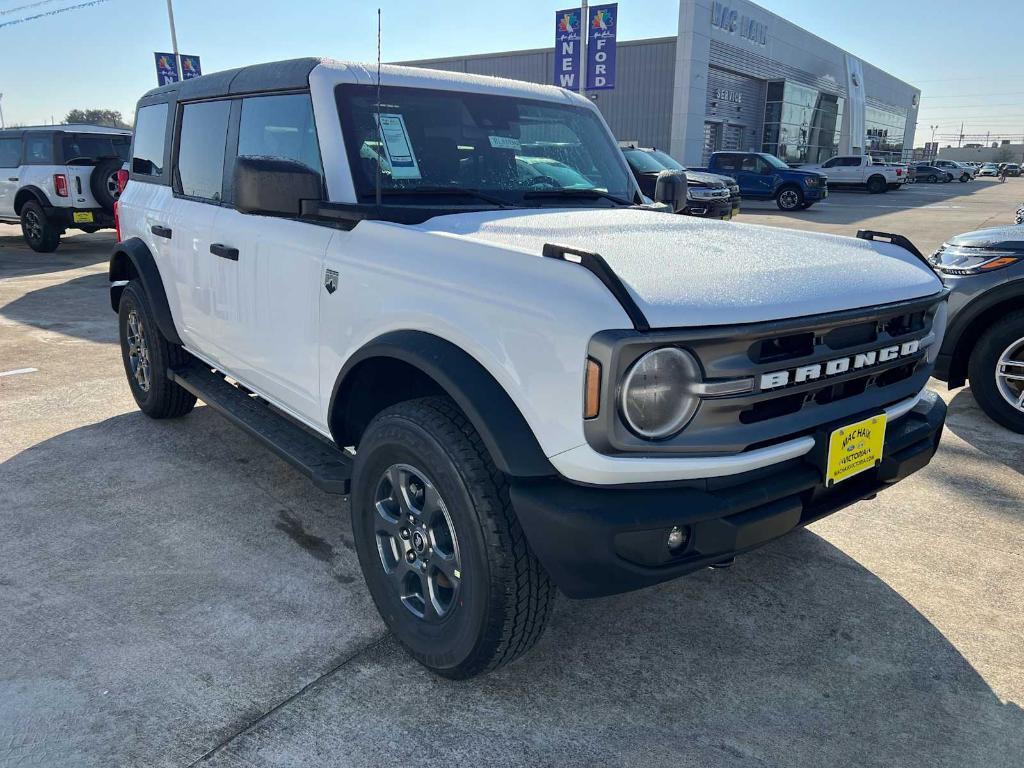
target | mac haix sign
x=730, y=20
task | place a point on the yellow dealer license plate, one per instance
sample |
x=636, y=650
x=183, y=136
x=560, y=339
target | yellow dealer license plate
x=855, y=448
x=82, y=217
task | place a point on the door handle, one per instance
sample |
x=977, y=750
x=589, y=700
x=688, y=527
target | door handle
x=159, y=231
x=12, y=178
x=224, y=252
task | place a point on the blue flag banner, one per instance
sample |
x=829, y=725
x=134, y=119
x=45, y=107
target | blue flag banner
x=568, y=29
x=190, y=67
x=166, y=72
x=602, y=26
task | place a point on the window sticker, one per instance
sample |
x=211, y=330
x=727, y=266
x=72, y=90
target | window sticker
x=506, y=142
x=398, y=147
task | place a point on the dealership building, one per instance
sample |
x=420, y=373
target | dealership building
x=736, y=77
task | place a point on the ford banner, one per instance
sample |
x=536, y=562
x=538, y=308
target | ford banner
x=601, y=30
x=567, y=49
x=166, y=69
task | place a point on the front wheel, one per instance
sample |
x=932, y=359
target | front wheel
x=442, y=552
x=790, y=199
x=965, y=177
x=996, y=372
x=39, y=232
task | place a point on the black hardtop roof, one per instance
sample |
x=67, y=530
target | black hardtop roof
x=271, y=76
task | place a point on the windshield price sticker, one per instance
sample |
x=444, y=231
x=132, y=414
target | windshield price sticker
x=505, y=142
x=398, y=147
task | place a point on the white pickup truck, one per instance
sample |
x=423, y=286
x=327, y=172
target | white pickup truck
x=859, y=171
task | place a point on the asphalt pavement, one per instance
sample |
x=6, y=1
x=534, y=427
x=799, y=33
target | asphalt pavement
x=172, y=594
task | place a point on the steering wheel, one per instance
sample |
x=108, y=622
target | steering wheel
x=547, y=181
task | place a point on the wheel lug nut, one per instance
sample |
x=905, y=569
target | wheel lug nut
x=404, y=533
x=410, y=556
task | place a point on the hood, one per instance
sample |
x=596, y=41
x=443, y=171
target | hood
x=1004, y=238
x=810, y=170
x=701, y=179
x=686, y=271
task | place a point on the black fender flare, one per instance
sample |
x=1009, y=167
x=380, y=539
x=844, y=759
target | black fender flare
x=132, y=258
x=963, y=328
x=30, y=192
x=487, y=405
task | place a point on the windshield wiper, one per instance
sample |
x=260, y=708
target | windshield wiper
x=586, y=194
x=440, y=190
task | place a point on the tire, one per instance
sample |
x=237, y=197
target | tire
x=877, y=184
x=103, y=182
x=39, y=232
x=147, y=355
x=498, y=598
x=790, y=198
x=965, y=177
x=1003, y=340
x=932, y=178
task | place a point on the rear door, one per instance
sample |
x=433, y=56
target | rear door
x=271, y=268
x=10, y=159
x=206, y=300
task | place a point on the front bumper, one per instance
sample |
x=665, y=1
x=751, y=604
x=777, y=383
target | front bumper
x=709, y=209
x=813, y=194
x=602, y=541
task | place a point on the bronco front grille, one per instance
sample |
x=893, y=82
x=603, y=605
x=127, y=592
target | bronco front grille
x=853, y=376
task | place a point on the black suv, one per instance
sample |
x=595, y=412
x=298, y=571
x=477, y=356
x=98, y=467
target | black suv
x=708, y=195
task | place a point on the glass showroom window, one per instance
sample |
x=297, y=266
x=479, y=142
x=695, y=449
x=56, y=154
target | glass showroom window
x=802, y=124
x=885, y=131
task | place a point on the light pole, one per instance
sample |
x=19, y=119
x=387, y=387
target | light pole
x=584, y=30
x=174, y=39
x=1, y=110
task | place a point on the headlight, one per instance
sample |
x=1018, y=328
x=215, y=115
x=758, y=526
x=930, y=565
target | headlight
x=960, y=260
x=812, y=181
x=657, y=398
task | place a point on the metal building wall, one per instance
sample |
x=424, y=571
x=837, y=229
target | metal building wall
x=638, y=109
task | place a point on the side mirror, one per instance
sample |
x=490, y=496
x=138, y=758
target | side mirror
x=273, y=186
x=670, y=189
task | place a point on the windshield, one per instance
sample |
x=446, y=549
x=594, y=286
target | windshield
x=89, y=148
x=506, y=149
x=668, y=161
x=773, y=161
x=643, y=162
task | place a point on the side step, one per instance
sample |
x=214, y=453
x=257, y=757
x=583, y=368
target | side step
x=319, y=459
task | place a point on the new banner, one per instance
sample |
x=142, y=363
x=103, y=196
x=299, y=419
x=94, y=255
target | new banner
x=567, y=49
x=166, y=72
x=601, y=28
x=190, y=67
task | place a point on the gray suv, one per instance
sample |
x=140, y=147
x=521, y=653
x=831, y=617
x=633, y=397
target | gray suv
x=984, y=339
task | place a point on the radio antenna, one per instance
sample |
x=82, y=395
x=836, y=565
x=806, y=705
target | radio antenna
x=380, y=133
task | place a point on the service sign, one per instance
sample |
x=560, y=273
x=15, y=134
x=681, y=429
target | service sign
x=190, y=67
x=567, y=48
x=601, y=34
x=166, y=71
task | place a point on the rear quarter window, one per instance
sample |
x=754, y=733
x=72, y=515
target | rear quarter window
x=150, y=141
x=10, y=152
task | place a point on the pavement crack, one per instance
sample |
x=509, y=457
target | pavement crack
x=222, y=745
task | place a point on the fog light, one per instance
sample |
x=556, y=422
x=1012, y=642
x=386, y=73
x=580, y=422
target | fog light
x=677, y=538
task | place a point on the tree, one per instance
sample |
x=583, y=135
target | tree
x=109, y=117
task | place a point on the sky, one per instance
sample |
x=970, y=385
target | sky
x=965, y=57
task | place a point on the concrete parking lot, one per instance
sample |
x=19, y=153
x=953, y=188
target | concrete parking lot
x=171, y=594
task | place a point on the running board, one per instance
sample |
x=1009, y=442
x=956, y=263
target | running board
x=316, y=457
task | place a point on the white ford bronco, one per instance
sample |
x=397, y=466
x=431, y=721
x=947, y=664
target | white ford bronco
x=59, y=177
x=523, y=381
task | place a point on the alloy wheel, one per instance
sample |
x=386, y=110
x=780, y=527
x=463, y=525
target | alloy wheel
x=1010, y=374
x=33, y=226
x=113, y=187
x=417, y=544
x=138, y=351
x=789, y=199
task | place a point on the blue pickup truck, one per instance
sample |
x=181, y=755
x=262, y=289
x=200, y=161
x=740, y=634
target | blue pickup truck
x=764, y=177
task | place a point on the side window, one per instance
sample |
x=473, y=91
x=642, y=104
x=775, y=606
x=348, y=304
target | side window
x=852, y=162
x=204, y=130
x=831, y=163
x=148, y=145
x=10, y=153
x=39, y=149
x=279, y=127
x=726, y=162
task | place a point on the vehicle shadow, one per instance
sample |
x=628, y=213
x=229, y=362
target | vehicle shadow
x=968, y=422
x=203, y=582
x=79, y=307
x=76, y=250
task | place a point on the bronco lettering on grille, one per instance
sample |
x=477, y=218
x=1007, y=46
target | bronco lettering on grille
x=839, y=365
